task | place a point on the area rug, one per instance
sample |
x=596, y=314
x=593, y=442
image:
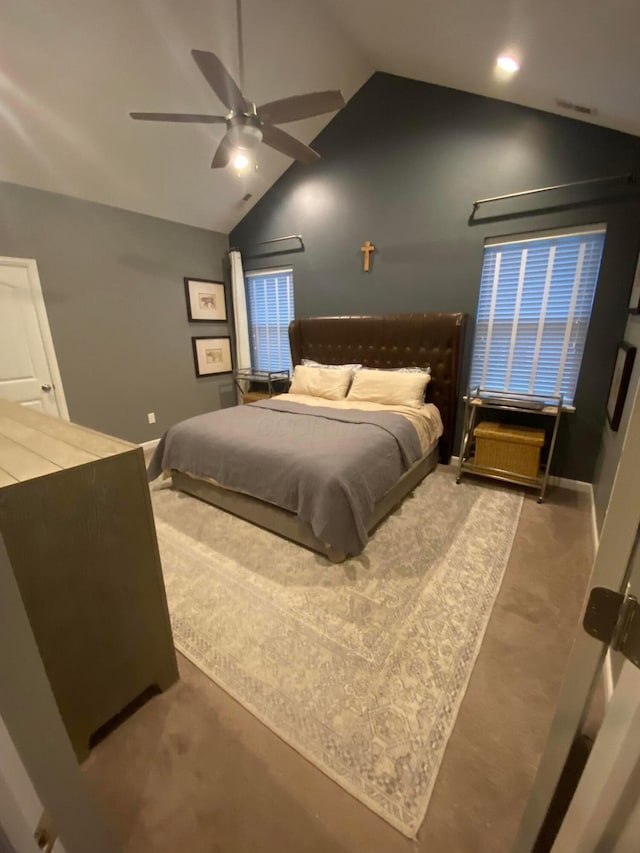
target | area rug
x=362, y=666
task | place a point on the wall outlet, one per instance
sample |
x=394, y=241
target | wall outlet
x=151, y=417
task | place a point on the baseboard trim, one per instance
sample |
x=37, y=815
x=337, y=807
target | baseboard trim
x=150, y=445
x=574, y=485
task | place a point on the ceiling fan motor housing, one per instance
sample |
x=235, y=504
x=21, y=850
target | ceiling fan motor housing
x=244, y=130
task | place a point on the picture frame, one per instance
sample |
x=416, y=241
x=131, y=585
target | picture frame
x=212, y=355
x=205, y=300
x=634, y=301
x=620, y=384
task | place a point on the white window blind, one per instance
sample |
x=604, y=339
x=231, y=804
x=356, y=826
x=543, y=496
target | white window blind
x=270, y=310
x=533, y=314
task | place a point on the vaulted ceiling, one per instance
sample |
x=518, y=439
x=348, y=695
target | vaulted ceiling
x=71, y=70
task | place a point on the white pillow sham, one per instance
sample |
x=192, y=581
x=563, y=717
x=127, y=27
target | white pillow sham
x=309, y=362
x=410, y=370
x=324, y=382
x=389, y=387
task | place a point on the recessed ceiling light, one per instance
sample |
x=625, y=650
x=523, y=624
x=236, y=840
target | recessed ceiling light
x=508, y=63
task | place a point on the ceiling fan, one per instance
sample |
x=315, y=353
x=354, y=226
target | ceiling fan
x=247, y=124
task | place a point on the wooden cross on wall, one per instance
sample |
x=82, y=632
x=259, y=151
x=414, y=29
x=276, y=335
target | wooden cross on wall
x=367, y=249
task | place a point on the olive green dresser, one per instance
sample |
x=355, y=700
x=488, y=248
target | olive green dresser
x=75, y=513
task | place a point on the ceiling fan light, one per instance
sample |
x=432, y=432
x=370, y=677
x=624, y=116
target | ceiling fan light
x=243, y=162
x=240, y=161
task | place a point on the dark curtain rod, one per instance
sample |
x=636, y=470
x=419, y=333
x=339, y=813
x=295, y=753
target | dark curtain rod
x=297, y=237
x=628, y=177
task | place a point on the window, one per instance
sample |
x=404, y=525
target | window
x=270, y=310
x=535, y=303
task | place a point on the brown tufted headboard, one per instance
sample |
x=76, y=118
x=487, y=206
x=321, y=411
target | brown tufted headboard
x=387, y=341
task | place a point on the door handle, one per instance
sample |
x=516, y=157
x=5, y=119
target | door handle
x=46, y=387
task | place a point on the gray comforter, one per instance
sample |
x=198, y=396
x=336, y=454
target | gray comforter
x=328, y=466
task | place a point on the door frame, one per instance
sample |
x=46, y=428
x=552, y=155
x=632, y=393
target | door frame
x=615, y=549
x=35, y=288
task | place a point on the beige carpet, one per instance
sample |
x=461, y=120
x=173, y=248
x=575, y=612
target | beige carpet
x=362, y=666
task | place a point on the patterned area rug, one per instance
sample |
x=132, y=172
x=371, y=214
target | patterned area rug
x=362, y=666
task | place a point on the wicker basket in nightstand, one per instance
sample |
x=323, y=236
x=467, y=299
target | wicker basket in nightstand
x=515, y=449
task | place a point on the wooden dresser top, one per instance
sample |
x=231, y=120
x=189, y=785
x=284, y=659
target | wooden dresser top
x=33, y=445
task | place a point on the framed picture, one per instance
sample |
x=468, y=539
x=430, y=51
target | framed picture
x=205, y=300
x=620, y=384
x=212, y=355
x=634, y=302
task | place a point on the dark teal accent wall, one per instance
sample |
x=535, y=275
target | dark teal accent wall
x=402, y=164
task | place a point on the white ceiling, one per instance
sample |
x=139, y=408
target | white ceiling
x=71, y=70
x=584, y=51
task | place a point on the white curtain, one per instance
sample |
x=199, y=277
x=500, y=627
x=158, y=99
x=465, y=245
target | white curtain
x=241, y=320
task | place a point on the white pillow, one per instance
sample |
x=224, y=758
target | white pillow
x=309, y=362
x=324, y=382
x=390, y=387
x=411, y=370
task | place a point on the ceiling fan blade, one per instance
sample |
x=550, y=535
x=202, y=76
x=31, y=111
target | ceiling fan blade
x=301, y=106
x=289, y=145
x=223, y=154
x=190, y=118
x=220, y=80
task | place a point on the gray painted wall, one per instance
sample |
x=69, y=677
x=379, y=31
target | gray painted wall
x=401, y=166
x=612, y=442
x=113, y=287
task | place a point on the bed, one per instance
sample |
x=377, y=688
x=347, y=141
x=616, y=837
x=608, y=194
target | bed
x=324, y=474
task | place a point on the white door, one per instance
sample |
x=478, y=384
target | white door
x=29, y=372
x=615, y=567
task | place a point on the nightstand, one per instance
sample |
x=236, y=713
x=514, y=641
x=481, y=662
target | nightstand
x=269, y=382
x=481, y=400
